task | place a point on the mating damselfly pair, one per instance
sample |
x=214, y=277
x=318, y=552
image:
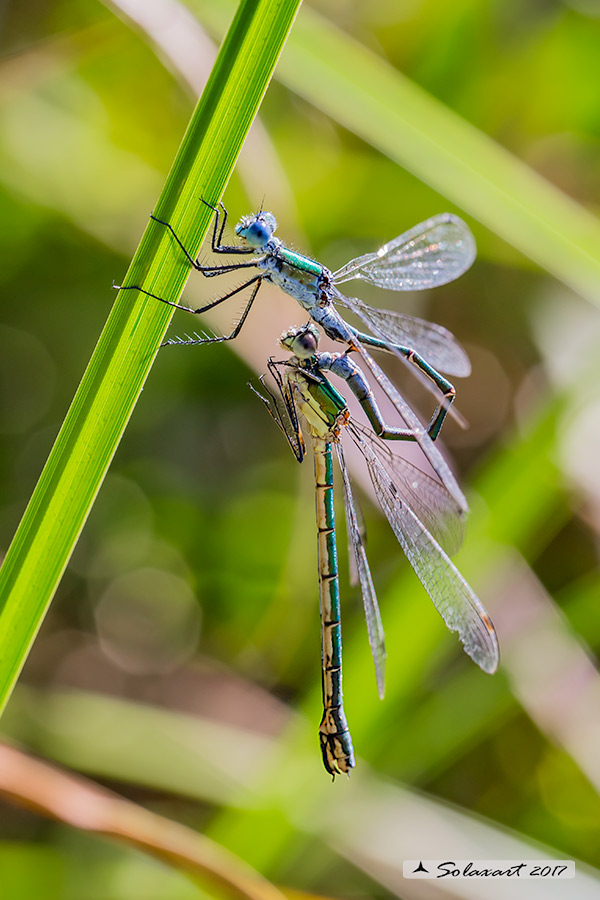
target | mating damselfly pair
x=426, y=515
x=423, y=515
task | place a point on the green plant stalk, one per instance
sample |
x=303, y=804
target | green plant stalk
x=130, y=340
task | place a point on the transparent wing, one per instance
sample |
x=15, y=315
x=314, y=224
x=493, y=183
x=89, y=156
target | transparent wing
x=450, y=361
x=430, y=254
x=353, y=575
x=456, y=602
x=411, y=420
x=433, y=342
x=372, y=614
x=428, y=498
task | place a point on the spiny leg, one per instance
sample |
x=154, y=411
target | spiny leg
x=210, y=270
x=217, y=247
x=216, y=241
x=282, y=409
x=220, y=338
x=207, y=271
x=257, y=278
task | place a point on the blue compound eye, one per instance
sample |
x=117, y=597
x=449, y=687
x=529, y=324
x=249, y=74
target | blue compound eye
x=258, y=229
x=258, y=233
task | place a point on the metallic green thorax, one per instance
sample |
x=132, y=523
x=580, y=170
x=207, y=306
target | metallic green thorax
x=298, y=261
x=326, y=397
x=317, y=400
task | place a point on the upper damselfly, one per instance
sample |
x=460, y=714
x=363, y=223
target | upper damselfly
x=424, y=516
x=432, y=253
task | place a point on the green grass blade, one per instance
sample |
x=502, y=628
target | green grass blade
x=368, y=96
x=126, y=349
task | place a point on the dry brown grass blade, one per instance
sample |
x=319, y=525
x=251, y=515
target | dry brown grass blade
x=78, y=802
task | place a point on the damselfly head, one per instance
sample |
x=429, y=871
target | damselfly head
x=301, y=340
x=257, y=229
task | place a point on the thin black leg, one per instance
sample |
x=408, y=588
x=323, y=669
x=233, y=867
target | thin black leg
x=201, y=309
x=211, y=271
x=216, y=241
x=220, y=338
x=194, y=262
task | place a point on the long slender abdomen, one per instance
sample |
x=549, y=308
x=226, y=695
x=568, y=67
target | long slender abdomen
x=336, y=743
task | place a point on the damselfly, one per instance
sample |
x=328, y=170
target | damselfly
x=432, y=253
x=425, y=518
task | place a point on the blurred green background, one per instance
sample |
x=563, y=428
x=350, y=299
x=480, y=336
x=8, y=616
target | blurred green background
x=179, y=663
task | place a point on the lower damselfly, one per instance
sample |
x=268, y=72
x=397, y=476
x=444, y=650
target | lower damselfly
x=431, y=254
x=424, y=516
